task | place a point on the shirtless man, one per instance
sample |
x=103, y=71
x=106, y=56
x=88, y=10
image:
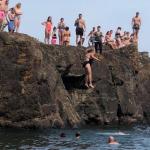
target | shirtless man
x=136, y=24
x=80, y=29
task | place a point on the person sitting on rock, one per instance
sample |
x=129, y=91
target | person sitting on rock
x=111, y=140
x=133, y=38
x=48, y=27
x=54, y=36
x=126, y=39
x=66, y=36
x=118, y=37
x=89, y=57
x=109, y=40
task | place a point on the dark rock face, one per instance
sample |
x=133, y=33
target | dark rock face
x=43, y=86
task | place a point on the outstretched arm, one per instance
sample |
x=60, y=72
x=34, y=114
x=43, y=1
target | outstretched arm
x=94, y=57
x=43, y=23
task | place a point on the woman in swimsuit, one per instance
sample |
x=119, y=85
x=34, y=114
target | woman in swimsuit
x=48, y=27
x=18, y=13
x=89, y=57
x=61, y=28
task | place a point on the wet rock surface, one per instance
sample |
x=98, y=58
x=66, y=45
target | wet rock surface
x=42, y=86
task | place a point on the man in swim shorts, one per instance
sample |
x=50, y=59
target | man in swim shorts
x=136, y=24
x=80, y=29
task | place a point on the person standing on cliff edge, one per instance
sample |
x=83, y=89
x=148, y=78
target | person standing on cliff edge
x=136, y=24
x=80, y=29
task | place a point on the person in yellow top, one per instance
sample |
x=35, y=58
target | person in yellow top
x=66, y=36
x=18, y=13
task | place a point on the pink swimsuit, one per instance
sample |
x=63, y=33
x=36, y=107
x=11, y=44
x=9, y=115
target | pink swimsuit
x=48, y=27
x=2, y=15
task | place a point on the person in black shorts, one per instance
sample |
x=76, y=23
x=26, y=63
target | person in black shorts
x=136, y=24
x=80, y=29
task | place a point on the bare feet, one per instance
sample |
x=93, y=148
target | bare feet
x=91, y=86
x=86, y=85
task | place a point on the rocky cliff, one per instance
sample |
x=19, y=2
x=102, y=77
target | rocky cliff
x=43, y=86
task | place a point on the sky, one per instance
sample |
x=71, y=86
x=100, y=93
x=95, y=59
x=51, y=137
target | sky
x=109, y=14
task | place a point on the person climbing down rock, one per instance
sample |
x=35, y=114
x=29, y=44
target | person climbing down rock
x=89, y=57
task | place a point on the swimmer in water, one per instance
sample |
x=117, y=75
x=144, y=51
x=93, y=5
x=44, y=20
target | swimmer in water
x=77, y=135
x=62, y=135
x=112, y=140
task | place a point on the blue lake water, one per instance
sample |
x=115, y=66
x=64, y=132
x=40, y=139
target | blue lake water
x=136, y=138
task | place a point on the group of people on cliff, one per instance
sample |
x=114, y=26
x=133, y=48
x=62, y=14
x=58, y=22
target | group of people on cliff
x=96, y=37
x=121, y=38
x=10, y=16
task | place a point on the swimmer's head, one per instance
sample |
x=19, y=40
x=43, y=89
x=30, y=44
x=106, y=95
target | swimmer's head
x=62, y=135
x=77, y=135
x=111, y=139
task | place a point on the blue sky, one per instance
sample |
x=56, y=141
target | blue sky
x=109, y=14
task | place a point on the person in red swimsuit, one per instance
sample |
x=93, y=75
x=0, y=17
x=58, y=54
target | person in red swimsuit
x=48, y=27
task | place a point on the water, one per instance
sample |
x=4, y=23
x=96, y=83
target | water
x=137, y=138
